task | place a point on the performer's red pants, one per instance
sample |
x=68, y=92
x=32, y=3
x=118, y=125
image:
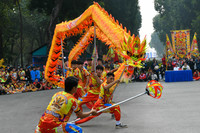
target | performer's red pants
x=79, y=93
x=88, y=99
x=99, y=105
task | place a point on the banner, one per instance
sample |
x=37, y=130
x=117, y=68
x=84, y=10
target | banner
x=194, y=46
x=173, y=42
x=188, y=44
x=181, y=42
x=169, y=50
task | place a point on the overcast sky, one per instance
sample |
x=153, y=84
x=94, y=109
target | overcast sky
x=148, y=12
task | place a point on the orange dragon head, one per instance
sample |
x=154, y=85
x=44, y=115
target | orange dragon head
x=133, y=50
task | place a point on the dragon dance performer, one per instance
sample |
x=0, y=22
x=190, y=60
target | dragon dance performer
x=105, y=100
x=59, y=110
x=83, y=75
x=89, y=66
x=107, y=70
x=96, y=79
x=72, y=70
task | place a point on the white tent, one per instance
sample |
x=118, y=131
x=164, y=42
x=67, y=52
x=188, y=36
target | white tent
x=151, y=52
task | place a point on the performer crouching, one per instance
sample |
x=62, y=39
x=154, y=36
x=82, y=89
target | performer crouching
x=59, y=110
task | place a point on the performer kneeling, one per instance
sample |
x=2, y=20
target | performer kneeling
x=105, y=100
x=59, y=110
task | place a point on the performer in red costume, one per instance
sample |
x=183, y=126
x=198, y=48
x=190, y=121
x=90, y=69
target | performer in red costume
x=96, y=79
x=83, y=75
x=105, y=100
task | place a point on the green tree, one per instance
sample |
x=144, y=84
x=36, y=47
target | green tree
x=157, y=44
x=5, y=7
x=27, y=24
x=34, y=29
x=176, y=15
x=59, y=11
x=127, y=12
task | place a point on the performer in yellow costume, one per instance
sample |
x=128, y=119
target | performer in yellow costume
x=105, y=100
x=72, y=70
x=59, y=110
x=96, y=79
x=83, y=75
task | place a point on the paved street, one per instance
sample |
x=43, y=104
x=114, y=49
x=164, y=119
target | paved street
x=177, y=111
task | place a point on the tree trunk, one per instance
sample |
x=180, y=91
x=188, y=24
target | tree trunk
x=11, y=51
x=30, y=59
x=52, y=23
x=41, y=37
x=21, y=33
x=1, y=45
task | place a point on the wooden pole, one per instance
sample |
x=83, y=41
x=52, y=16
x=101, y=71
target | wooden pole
x=63, y=63
x=116, y=85
x=126, y=100
x=95, y=47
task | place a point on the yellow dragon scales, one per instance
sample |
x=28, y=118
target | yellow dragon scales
x=108, y=31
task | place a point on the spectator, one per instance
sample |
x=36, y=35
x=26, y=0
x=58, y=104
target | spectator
x=185, y=67
x=27, y=75
x=43, y=85
x=176, y=68
x=135, y=77
x=154, y=76
x=191, y=64
x=14, y=75
x=162, y=71
x=142, y=77
x=169, y=67
x=6, y=75
x=37, y=83
x=198, y=63
x=21, y=74
x=148, y=64
x=155, y=68
x=174, y=62
x=164, y=60
x=196, y=75
x=148, y=75
x=33, y=74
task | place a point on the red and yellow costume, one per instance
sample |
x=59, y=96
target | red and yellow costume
x=196, y=75
x=82, y=76
x=22, y=74
x=71, y=72
x=58, y=113
x=93, y=92
x=1, y=76
x=5, y=75
x=105, y=73
x=89, y=68
x=103, y=102
x=13, y=76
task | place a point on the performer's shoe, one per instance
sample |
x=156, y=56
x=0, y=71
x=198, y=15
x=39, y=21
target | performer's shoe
x=112, y=116
x=121, y=126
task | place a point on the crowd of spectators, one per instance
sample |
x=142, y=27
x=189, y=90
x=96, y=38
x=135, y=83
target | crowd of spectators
x=18, y=80
x=156, y=71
